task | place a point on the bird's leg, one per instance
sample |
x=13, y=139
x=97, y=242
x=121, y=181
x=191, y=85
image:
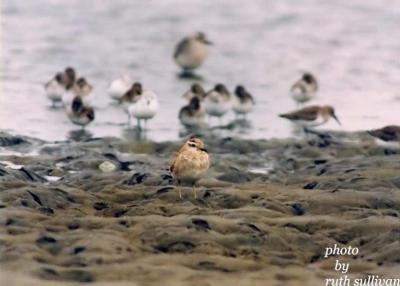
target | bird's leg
x=179, y=190
x=129, y=120
x=138, y=124
x=145, y=124
x=194, y=191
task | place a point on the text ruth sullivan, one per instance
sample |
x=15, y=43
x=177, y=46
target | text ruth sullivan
x=370, y=280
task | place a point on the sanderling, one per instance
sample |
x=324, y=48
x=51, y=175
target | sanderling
x=119, y=86
x=140, y=104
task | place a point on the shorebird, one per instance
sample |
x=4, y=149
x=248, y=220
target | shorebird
x=311, y=116
x=196, y=90
x=60, y=84
x=119, y=86
x=131, y=96
x=191, y=51
x=80, y=114
x=190, y=164
x=304, y=89
x=217, y=101
x=192, y=115
x=71, y=76
x=80, y=88
x=388, y=136
x=243, y=102
x=56, y=87
x=140, y=104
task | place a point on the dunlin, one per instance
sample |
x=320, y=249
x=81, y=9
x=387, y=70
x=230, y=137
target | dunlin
x=192, y=115
x=243, y=102
x=218, y=101
x=388, y=136
x=131, y=96
x=191, y=51
x=60, y=84
x=311, y=116
x=80, y=114
x=196, y=90
x=190, y=164
x=304, y=89
x=80, y=88
x=56, y=87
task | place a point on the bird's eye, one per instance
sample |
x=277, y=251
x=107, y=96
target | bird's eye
x=192, y=145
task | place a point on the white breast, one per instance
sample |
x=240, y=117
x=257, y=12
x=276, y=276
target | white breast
x=303, y=92
x=118, y=88
x=216, y=105
x=146, y=107
x=54, y=91
x=242, y=107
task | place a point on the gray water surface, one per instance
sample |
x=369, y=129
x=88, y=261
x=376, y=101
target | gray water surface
x=352, y=46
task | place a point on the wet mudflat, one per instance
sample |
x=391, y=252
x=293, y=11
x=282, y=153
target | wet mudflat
x=106, y=211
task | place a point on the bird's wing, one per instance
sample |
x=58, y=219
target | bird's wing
x=171, y=168
x=307, y=114
x=181, y=47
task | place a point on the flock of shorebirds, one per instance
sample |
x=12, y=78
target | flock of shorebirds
x=75, y=94
x=192, y=161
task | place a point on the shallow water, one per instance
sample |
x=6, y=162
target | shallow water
x=265, y=45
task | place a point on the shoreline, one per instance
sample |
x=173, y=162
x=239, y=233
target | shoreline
x=266, y=205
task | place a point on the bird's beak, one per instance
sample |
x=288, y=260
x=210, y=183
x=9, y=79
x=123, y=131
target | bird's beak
x=208, y=42
x=337, y=119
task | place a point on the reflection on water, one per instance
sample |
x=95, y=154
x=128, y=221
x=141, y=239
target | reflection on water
x=79, y=135
x=263, y=45
x=135, y=133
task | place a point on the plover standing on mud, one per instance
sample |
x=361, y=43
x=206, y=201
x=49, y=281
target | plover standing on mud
x=80, y=114
x=388, y=136
x=218, y=101
x=196, y=90
x=304, y=89
x=243, y=102
x=190, y=164
x=311, y=116
x=192, y=115
x=119, y=86
x=191, y=51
